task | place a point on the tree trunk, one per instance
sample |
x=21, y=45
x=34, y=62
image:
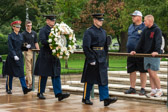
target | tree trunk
x=119, y=42
x=166, y=42
x=124, y=37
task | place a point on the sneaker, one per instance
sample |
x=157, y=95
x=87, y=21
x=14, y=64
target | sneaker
x=142, y=91
x=151, y=94
x=159, y=93
x=130, y=91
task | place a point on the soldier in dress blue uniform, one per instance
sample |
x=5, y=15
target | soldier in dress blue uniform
x=47, y=64
x=95, y=68
x=14, y=63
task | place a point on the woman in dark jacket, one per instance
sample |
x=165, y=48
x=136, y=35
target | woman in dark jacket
x=14, y=62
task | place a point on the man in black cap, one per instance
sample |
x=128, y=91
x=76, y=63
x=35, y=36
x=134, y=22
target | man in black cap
x=95, y=69
x=47, y=64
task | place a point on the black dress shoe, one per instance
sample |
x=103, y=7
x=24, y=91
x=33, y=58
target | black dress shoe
x=83, y=100
x=38, y=94
x=87, y=102
x=9, y=92
x=26, y=90
x=109, y=101
x=41, y=96
x=62, y=96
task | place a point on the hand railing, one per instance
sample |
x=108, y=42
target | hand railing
x=138, y=55
x=110, y=54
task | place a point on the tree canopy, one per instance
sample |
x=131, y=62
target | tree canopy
x=77, y=14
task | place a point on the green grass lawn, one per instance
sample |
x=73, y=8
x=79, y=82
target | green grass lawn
x=76, y=63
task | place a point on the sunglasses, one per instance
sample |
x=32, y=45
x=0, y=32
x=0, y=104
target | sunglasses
x=17, y=27
x=28, y=25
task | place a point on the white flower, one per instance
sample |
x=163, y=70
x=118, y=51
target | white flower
x=71, y=31
x=70, y=38
x=56, y=34
x=55, y=39
x=67, y=53
x=74, y=38
x=73, y=41
x=52, y=31
x=59, y=36
x=49, y=40
x=64, y=49
x=73, y=47
x=59, y=43
x=54, y=51
x=72, y=51
x=61, y=53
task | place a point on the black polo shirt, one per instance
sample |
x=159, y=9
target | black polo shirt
x=30, y=38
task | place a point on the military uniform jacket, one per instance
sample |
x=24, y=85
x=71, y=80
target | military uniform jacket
x=15, y=45
x=46, y=64
x=95, y=74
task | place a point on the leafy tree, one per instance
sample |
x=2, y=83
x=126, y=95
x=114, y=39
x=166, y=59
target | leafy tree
x=158, y=8
x=111, y=10
x=9, y=9
x=117, y=16
x=66, y=10
x=77, y=14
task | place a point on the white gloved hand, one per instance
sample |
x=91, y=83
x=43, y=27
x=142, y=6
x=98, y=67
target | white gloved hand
x=93, y=63
x=16, y=58
x=28, y=46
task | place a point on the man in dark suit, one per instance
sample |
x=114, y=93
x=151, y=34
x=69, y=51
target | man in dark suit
x=47, y=64
x=95, y=69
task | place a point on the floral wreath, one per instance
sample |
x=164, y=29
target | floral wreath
x=62, y=40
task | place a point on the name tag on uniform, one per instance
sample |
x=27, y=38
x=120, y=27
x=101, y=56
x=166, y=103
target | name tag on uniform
x=33, y=36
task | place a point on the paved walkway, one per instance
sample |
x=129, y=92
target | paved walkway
x=18, y=102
